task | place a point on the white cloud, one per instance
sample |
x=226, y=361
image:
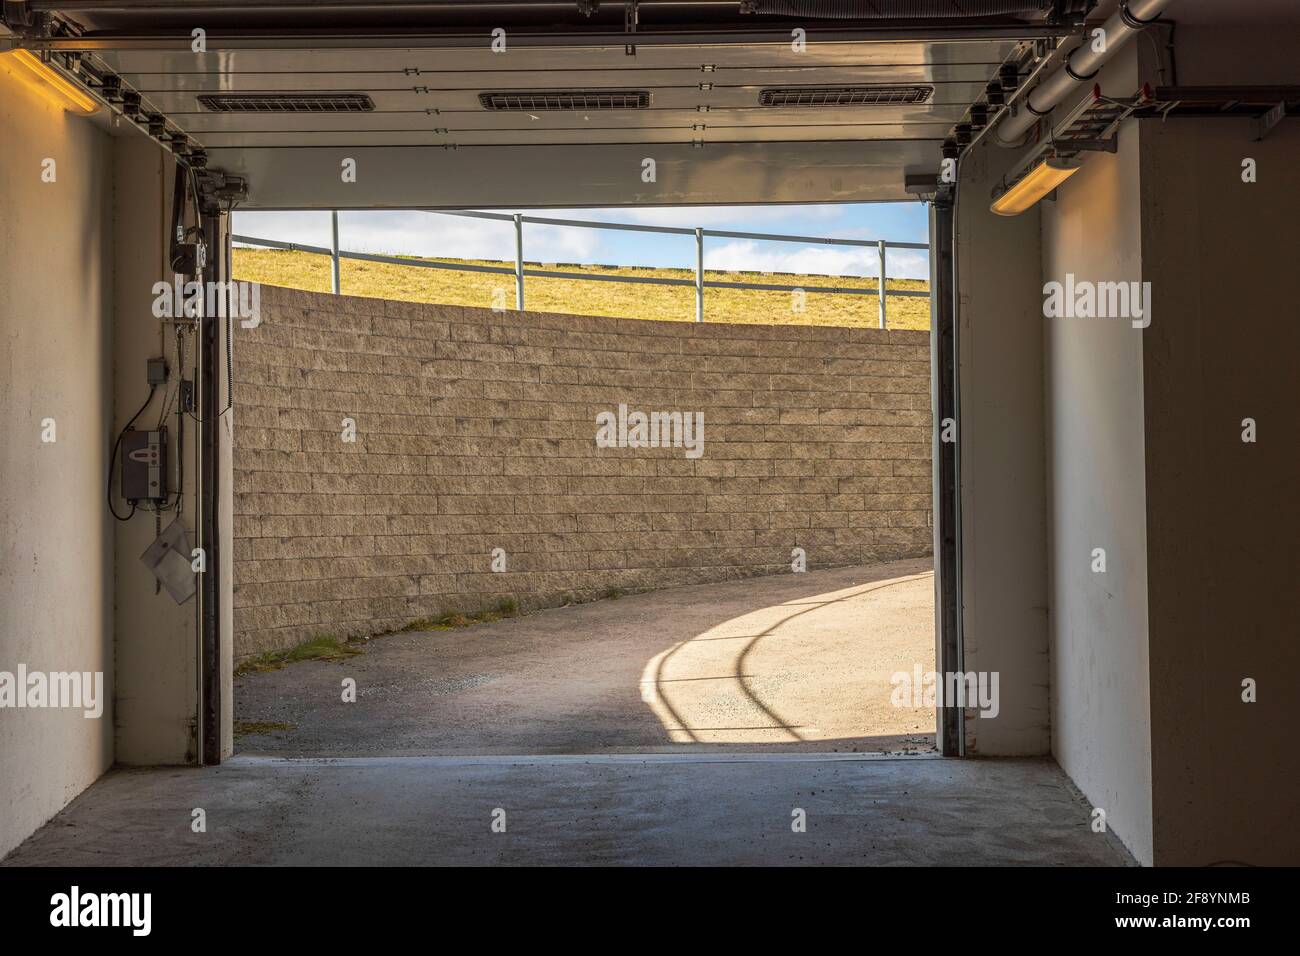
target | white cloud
x=430, y=234
x=308, y=228
x=909, y=264
x=747, y=255
x=718, y=216
x=422, y=234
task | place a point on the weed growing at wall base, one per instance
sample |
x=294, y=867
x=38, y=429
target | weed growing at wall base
x=323, y=648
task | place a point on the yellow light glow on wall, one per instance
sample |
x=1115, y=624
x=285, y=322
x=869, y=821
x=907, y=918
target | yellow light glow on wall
x=1040, y=181
x=65, y=92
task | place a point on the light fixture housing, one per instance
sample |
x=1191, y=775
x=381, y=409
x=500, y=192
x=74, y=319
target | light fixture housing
x=287, y=103
x=1034, y=185
x=548, y=101
x=68, y=95
x=869, y=94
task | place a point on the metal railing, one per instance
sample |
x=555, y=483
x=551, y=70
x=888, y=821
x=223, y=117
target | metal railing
x=699, y=283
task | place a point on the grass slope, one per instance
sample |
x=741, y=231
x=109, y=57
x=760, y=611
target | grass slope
x=309, y=271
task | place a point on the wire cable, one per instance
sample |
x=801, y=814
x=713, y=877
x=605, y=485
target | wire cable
x=171, y=400
x=230, y=327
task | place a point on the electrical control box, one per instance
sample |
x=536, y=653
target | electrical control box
x=158, y=371
x=144, y=465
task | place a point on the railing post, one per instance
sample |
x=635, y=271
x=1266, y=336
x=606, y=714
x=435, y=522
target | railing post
x=519, y=262
x=334, y=251
x=880, y=246
x=699, y=274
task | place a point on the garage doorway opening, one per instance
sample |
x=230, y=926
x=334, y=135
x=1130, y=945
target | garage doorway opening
x=688, y=263
x=437, y=553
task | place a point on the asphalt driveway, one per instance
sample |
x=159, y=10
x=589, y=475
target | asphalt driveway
x=797, y=662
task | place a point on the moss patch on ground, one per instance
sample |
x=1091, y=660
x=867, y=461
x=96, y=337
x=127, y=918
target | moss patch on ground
x=334, y=649
x=317, y=649
x=505, y=609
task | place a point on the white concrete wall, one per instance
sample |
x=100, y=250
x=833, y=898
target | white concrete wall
x=155, y=637
x=56, y=572
x=1222, y=520
x=1146, y=460
x=1101, y=729
x=157, y=643
x=1001, y=460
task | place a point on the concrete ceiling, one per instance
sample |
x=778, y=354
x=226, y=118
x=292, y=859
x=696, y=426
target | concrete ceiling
x=696, y=93
x=432, y=142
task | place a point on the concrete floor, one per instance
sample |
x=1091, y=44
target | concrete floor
x=616, y=809
x=796, y=662
x=632, y=731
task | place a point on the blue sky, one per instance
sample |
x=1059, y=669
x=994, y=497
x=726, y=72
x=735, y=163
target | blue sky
x=429, y=234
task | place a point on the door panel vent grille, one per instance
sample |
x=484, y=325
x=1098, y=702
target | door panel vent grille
x=541, y=101
x=845, y=95
x=287, y=103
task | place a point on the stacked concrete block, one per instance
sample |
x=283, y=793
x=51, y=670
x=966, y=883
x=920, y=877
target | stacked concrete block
x=474, y=439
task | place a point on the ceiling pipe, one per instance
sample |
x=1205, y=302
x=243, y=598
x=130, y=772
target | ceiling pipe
x=1079, y=68
x=895, y=9
x=328, y=6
